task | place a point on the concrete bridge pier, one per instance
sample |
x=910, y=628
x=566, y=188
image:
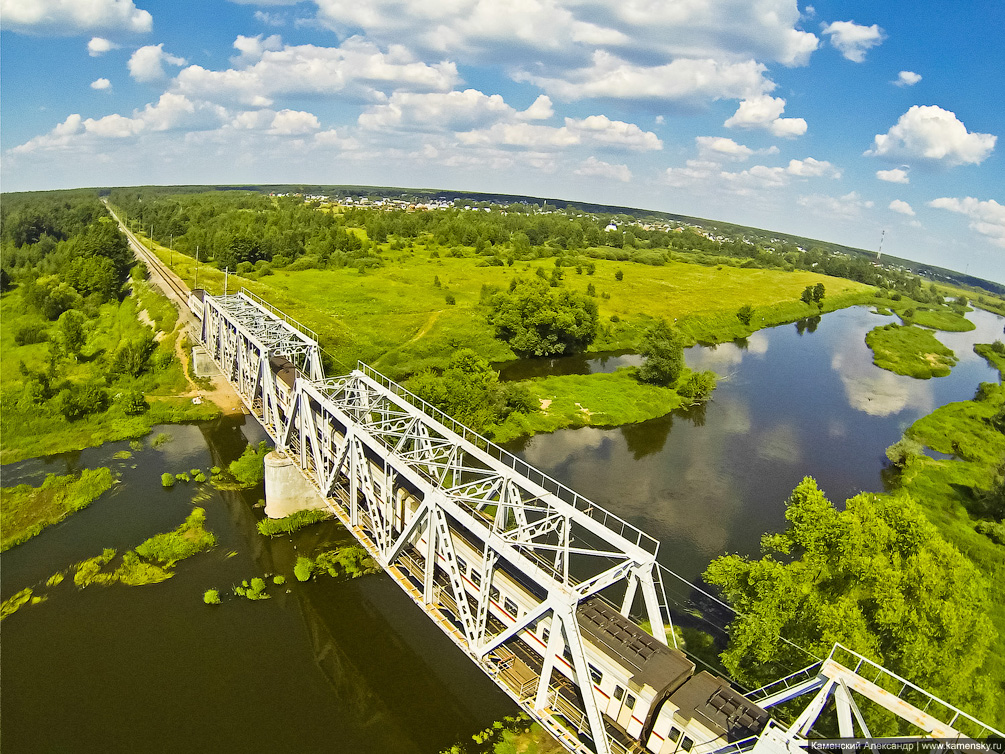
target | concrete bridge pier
x=286, y=489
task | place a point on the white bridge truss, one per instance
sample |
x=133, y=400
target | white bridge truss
x=414, y=486
x=402, y=476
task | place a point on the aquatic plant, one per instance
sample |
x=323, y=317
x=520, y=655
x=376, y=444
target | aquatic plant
x=188, y=539
x=304, y=569
x=12, y=604
x=167, y=480
x=182, y=476
x=211, y=597
x=278, y=580
x=136, y=572
x=160, y=439
x=274, y=527
x=89, y=571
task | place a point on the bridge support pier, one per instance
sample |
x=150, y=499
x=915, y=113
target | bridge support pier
x=286, y=489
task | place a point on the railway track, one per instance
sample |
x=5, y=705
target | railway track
x=168, y=279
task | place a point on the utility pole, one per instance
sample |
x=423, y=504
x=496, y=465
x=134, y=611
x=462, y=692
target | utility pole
x=226, y=279
x=171, y=247
x=880, y=252
x=196, y=283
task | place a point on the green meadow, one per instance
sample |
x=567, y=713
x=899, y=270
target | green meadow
x=397, y=317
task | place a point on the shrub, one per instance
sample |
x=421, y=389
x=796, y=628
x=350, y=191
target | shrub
x=536, y=320
x=619, y=275
x=902, y=451
x=76, y=402
x=211, y=597
x=134, y=403
x=167, y=480
x=249, y=469
x=34, y=332
x=663, y=348
x=278, y=580
x=745, y=313
x=698, y=386
x=304, y=569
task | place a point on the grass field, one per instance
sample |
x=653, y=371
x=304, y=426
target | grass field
x=910, y=351
x=943, y=319
x=397, y=318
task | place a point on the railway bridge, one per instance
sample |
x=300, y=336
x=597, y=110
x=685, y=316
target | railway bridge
x=537, y=585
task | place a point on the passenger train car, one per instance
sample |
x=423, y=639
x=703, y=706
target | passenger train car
x=644, y=688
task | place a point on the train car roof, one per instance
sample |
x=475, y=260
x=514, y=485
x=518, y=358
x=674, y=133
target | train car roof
x=719, y=707
x=652, y=662
x=284, y=369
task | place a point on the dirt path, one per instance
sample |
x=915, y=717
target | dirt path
x=427, y=325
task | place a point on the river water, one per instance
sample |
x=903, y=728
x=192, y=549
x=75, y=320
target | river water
x=326, y=666
x=794, y=400
x=353, y=665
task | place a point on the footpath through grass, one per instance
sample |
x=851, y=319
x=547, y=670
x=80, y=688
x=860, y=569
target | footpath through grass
x=26, y=510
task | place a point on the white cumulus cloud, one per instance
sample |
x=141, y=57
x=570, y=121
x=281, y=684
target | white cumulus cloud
x=907, y=78
x=146, y=65
x=101, y=84
x=764, y=111
x=357, y=69
x=927, y=132
x=594, y=129
x=99, y=46
x=293, y=123
x=710, y=147
x=68, y=17
x=848, y=207
x=683, y=80
x=811, y=168
x=898, y=205
x=895, y=175
x=853, y=40
x=986, y=217
x=458, y=111
x=600, y=169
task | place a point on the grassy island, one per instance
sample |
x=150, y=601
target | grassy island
x=911, y=351
x=26, y=510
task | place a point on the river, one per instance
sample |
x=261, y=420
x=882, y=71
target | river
x=353, y=665
x=326, y=666
x=793, y=400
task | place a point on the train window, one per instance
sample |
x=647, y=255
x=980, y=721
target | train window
x=462, y=565
x=619, y=693
x=510, y=606
x=545, y=633
x=494, y=593
x=675, y=734
x=686, y=744
x=476, y=578
x=595, y=675
x=630, y=701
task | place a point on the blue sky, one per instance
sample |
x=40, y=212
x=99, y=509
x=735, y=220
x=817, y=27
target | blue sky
x=835, y=120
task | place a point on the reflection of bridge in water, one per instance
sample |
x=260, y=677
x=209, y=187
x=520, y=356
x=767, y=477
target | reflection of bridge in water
x=517, y=569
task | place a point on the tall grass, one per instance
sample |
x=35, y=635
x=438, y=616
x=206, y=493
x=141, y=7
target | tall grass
x=27, y=510
x=274, y=527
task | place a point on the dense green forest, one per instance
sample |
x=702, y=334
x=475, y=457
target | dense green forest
x=78, y=366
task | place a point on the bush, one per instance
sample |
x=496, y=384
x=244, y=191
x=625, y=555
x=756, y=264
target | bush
x=619, y=275
x=994, y=531
x=31, y=333
x=698, y=386
x=134, y=403
x=76, y=402
x=902, y=451
x=304, y=569
x=663, y=348
x=167, y=480
x=745, y=313
x=249, y=469
x=211, y=597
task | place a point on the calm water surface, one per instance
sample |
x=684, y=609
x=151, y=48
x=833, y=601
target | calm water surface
x=330, y=666
x=795, y=400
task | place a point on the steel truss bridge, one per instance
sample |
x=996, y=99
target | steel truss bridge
x=374, y=452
